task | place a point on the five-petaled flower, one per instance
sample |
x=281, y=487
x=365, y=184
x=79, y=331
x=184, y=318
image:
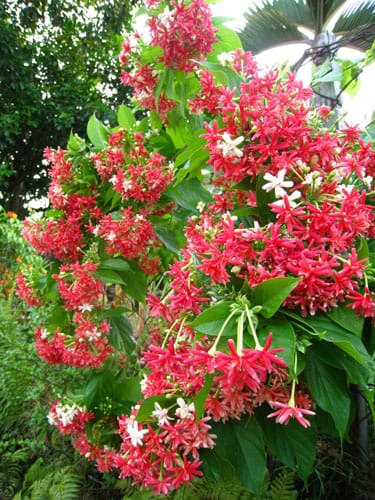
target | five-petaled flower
x=135, y=433
x=286, y=411
x=277, y=183
x=229, y=146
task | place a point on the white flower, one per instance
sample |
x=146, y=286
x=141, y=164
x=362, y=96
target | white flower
x=294, y=196
x=44, y=334
x=143, y=383
x=135, y=434
x=225, y=57
x=127, y=184
x=277, y=183
x=66, y=413
x=161, y=414
x=367, y=181
x=185, y=410
x=313, y=179
x=200, y=206
x=166, y=17
x=86, y=307
x=229, y=146
x=111, y=236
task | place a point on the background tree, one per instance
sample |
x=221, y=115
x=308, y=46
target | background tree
x=58, y=65
x=278, y=22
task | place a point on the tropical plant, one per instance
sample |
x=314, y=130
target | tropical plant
x=209, y=267
x=323, y=25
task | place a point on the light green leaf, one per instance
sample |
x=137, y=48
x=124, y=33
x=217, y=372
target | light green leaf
x=271, y=294
x=148, y=406
x=109, y=277
x=199, y=399
x=125, y=117
x=97, y=133
x=212, y=319
x=117, y=264
x=283, y=336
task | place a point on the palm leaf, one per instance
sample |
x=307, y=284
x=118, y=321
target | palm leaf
x=357, y=24
x=273, y=24
x=322, y=12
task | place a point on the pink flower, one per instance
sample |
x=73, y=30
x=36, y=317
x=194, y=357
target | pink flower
x=286, y=412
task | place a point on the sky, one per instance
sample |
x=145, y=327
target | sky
x=357, y=109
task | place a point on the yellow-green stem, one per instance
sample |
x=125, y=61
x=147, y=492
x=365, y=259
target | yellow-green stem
x=252, y=329
x=213, y=347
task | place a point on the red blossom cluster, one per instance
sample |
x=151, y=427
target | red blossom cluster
x=185, y=33
x=83, y=345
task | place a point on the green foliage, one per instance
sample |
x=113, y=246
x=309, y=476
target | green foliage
x=58, y=64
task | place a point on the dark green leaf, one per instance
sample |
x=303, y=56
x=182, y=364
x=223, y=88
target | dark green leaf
x=128, y=389
x=344, y=339
x=98, y=389
x=347, y=319
x=117, y=264
x=329, y=390
x=241, y=444
x=121, y=334
x=188, y=194
x=292, y=444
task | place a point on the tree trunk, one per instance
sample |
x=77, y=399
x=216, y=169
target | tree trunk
x=326, y=93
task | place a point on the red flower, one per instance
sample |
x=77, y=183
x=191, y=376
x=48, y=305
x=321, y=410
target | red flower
x=286, y=412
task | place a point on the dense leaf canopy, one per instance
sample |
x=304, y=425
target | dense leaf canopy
x=58, y=64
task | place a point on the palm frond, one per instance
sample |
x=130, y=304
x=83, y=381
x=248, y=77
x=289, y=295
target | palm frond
x=357, y=24
x=274, y=24
x=322, y=12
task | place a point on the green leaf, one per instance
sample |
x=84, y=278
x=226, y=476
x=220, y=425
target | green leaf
x=199, y=399
x=347, y=319
x=332, y=355
x=344, y=339
x=283, y=336
x=97, y=133
x=99, y=389
x=292, y=444
x=329, y=390
x=148, y=406
x=108, y=276
x=188, y=194
x=135, y=282
x=241, y=444
x=117, y=264
x=271, y=294
x=212, y=319
x=125, y=117
x=121, y=334
x=128, y=389
x=228, y=40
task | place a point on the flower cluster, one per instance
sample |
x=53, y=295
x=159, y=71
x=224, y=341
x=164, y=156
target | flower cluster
x=185, y=34
x=282, y=227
